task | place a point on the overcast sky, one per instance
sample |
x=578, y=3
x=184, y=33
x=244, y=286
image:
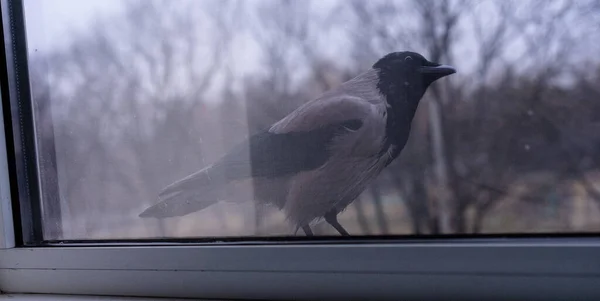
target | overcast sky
x=51, y=22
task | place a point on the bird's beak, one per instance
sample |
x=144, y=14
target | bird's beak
x=439, y=70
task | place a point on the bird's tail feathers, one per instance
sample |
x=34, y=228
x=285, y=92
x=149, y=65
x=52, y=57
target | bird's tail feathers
x=190, y=194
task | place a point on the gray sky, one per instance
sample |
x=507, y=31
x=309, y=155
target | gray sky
x=51, y=22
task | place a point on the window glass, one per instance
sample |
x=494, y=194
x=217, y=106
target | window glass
x=177, y=106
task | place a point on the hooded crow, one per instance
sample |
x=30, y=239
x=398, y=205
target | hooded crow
x=317, y=160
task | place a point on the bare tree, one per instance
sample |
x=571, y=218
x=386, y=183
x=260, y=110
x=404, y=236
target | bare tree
x=152, y=95
x=120, y=94
x=438, y=22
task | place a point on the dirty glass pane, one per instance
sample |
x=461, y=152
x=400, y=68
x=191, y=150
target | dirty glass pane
x=134, y=96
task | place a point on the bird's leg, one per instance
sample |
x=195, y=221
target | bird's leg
x=307, y=230
x=331, y=218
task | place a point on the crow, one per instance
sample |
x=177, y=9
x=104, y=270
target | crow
x=317, y=160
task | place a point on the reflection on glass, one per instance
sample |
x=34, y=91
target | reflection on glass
x=133, y=96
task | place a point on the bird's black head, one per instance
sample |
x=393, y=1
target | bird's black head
x=407, y=75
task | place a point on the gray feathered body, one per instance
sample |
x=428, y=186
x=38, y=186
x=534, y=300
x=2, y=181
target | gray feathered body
x=357, y=160
x=317, y=160
x=305, y=195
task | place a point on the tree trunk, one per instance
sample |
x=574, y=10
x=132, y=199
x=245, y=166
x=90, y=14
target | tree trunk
x=415, y=199
x=440, y=168
x=379, y=213
x=458, y=219
x=360, y=216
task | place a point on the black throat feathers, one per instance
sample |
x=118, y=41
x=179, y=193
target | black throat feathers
x=402, y=99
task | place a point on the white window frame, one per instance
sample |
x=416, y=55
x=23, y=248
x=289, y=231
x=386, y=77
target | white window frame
x=465, y=269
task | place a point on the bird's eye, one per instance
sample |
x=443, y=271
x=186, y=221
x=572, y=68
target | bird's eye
x=408, y=59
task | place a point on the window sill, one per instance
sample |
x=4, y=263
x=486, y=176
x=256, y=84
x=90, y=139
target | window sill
x=521, y=269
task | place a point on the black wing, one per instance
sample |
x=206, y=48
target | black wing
x=268, y=154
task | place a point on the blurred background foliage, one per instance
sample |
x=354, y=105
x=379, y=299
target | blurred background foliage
x=159, y=89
